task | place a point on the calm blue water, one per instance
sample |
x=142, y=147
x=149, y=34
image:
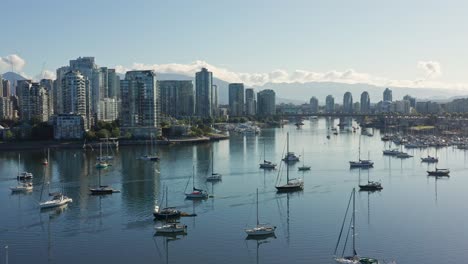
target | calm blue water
x=415, y=219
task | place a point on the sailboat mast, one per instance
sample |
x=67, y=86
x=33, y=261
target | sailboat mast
x=287, y=145
x=193, y=178
x=354, y=222
x=257, y=208
x=212, y=162
x=359, y=149
x=19, y=162
x=166, y=196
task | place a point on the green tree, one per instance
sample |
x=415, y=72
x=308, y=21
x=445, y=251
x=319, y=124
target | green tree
x=9, y=135
x=103, y=133
x=116, y=132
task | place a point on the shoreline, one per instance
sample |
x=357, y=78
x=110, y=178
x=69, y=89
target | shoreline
x=53, y=144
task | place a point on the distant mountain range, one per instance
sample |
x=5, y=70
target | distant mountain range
x=298, y=93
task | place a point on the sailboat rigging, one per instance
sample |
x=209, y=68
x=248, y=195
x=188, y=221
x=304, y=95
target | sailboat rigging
x=260, y=229
x=196, y=193
x=354, y=258
x=101, y=164
x=290, y=156
x=361, y=163
x=291, y=185
x=23, y=185
x=166, y=212
x=370, y=185
x=214, y=175
x=102, y=189
x=303, y=167
x=266, y=164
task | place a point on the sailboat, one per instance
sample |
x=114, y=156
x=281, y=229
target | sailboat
x=430, y=159
x=371, y=185
x=102, y=189
x=150, y=156
x=266, y=164
x=214, y=175
x=166, y=212
x=57, y=199
x=439, y=172
x=101, y=164
x=290, y=156
x=291, y=185
x=361, y=163
x=23, y=175
x=107, y=156
x=303, y=167
x=260, y=229
x=22, y=185
x=45, y=161
x=196, y=193
x=355, y=258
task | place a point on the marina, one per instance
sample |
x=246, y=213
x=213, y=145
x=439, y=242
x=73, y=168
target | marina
x=306, y=222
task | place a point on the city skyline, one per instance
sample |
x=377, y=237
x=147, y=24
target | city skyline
x=380, y=49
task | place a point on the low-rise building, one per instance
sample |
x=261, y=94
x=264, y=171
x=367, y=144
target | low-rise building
x=68, y=126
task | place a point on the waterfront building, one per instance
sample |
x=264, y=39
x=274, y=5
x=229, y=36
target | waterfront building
x=140, y=111
x=48, y=85
x=75, y=96
x=457, y=106
x=365, y=103
x=58, y=90
x=356, y=107
x=204, y=93
x=97, y=82
x=428, y=107
x=411, y=99
x=330, y=104
x=314, y=105
x=348, y=103
x=266, y=102
x=68, y=126
x=109, y=109
x=214, y=100
x=177, y=98
x=39, y=102
x=113, y=84
x=1, y=86
x=402, y=107
x=250, y=102
x=387, y=95
x=236, y=99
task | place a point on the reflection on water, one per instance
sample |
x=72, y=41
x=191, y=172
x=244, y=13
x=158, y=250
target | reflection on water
x=119, y=228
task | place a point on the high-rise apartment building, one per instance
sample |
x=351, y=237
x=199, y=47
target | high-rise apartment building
x=140, y=111
x=266, y=102
x=348, y=103
x=75, y=96
x=365, y=103
x=314, y=105
x=387, y=95
x=203, y=91
x=330, y=104
x=6, y=91
x=109, y=109
x=177, y=98
x=250, y=102
x=236, y=99
x=411, y=99
x=32, y=101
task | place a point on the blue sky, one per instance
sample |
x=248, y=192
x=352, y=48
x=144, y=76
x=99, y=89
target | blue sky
x=377, y=40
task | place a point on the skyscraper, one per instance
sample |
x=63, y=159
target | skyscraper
x=48, y=84
x=236, y=99
x=314, y=104
x=33, y=101
x=140, y=112
x=250, y=103
x=203, y=90
x=266, y=102
x=365, y=103
x=387, y=95
x=177, y=98
x=75, y=95
x=329, y=104
x=1, y=86
x=88, y=68
x=23, y=92
x=58, y=90
x=411, y=99
x=6, y=88
x=113, y=84
x=348, y=103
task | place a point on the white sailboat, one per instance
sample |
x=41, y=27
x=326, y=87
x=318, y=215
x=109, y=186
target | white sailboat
x=23, y=175
x=290, y=156
x=214, y=175
x=303, y=167
x=101, y=164
x=171, y=228
x=260, y=229
x=196, y=193
x=22, y=185
x=57, y=199
x=430, y=159
x=354, y=258
x=266, y=164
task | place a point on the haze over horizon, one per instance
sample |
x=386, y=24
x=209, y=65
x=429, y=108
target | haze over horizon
x=397, y=44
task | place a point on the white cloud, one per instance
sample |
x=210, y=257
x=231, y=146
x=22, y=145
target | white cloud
x=46, y=74
x=10, y=62
x=432, y=69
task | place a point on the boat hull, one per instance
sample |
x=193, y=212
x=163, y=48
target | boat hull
x=50, y=204
x=99, y=191
x=435, y=173
x=290, y=188
x=260, y=231
x=370, y=188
